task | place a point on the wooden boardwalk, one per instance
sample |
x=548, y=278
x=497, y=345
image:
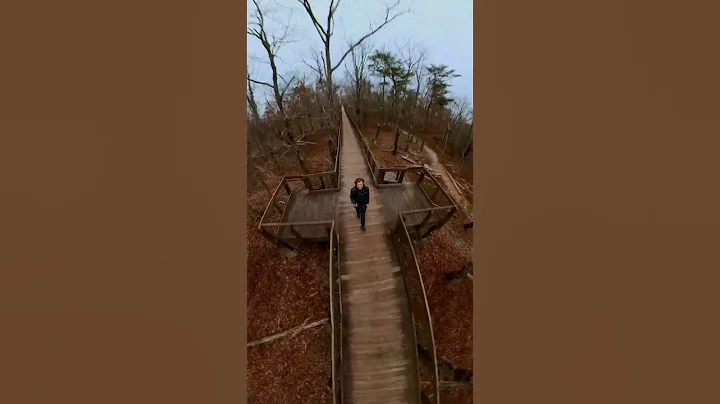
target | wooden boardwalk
x=378, y=341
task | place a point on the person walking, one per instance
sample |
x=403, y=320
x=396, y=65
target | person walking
x=360, y=198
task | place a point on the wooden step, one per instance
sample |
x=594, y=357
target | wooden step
x=389, y=371
x=377, y=321
x=378, y=360
x=374, y=282
x=395, y=379
x=352, y=297
x=378, y=352
x=357, y=285
x=375, y=250
x=382, y=300
x=378, y=334
x=384, y=260
x=372, y=227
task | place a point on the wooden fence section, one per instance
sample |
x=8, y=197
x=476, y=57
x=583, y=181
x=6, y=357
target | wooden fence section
x=336, y=316
x=274, y=224
x=429, y=386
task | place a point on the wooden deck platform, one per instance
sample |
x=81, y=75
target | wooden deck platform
x=404, y=197
x=379, y=358
x=306, y=206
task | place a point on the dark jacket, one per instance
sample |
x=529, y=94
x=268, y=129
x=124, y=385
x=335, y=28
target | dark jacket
x=360, y=196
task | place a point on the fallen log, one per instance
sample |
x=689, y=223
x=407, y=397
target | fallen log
x=294, y=331
x=406, y=158
x=453, y=181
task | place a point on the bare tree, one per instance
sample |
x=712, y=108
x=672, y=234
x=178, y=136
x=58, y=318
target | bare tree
x=252, y=104
x=460, y=113
x=360, y=84
x=272, y=44
x=326, y=31
x=413, y=56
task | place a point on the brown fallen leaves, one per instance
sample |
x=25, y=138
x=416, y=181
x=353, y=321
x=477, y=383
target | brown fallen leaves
x=457, y=394
x=382, y=149
x=283, y=292
x=447, y=250
x=291, y=370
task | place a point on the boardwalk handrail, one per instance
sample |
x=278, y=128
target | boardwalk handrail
x=328, y=181
x=370, y=159
x=335, y=315
x=425, y=351
x=332, y=184
x=430, y=219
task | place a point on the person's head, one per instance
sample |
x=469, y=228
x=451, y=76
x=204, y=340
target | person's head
x=359, y=183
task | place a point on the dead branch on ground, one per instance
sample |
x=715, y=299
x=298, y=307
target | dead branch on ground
x=292, y=332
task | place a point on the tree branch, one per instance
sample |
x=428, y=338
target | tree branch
x=320, y=30
x=389, y=17
x=294, y=331
x=260, y=82
x=282, y=93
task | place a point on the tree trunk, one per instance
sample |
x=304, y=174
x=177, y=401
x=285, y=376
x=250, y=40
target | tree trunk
x=395, y=143
x=427, y=117
x=309, y=117
x=447, y=135
x=264, y=184
x=468, y=148
x=377, y=133
x=300, y=160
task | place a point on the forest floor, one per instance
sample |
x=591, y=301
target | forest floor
x=445, y=250
x=284, y=292
x=382, y=148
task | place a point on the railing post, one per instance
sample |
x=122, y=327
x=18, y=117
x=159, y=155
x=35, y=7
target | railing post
x=427, y=217
x=271, y=238
x=401, y=176
x=435, y=193
x=308, y=184
x=287, y=188
x=295, y=232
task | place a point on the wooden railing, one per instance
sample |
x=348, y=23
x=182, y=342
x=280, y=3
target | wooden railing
x=416, y=224
x=426, y=356
x=272, y=224
x=274, y=227
x=336, y=316
x=370, y=159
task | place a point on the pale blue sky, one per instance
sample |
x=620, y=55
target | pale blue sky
x=442, y=27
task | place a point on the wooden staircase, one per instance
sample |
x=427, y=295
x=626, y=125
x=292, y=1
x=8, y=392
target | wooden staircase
x=379, y=360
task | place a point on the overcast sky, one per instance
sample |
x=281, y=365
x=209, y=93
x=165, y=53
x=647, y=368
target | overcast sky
x=442, y=27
